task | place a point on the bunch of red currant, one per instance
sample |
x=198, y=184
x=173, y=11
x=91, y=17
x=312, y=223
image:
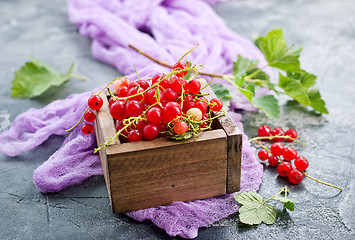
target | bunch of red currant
x=278, y=153
x=170, y=105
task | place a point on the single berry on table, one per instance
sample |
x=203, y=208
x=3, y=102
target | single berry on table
x=95, y=102
x=264, y=131
x=291, y=133
x=289, y=154
x=284, y=169
x=301, y=163
x=278, y=132
x=295, y=176
x=263, y=155
x=273, y=160
x=87, y=129
x=277, y=149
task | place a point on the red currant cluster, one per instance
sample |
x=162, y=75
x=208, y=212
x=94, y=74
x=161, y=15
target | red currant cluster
x=281, y=154
x=170, y=105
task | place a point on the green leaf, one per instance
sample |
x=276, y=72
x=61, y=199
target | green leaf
x=223, y=93
x=307, y=79
x=294, y=88
x=276, y=53
x=239, y=80
x=269, y=105
x=243, y=65
x=254, y=210
x=317, y=103
x=179, y=137
x=34, y=78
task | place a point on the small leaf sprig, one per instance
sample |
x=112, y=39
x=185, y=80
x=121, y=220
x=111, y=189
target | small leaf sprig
x=248, y=76
x=255, y=211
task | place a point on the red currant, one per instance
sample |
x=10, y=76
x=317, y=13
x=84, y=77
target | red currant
x=154, y=95
x=110, y=102
x=202, y=106
x=204, y=122
x=277, y=149
x=291, y=133
x=284, y=169
x=180, y=66
x=134, y=108
x=180, y=127
x=263, y=155
x=89, y=116
x=171, y=111
x=154, y=115
x=278, y=132
x=122, y=91
x=289, y=154
x=301, y=163
x=216, y=104
x=87, y=129
x=150, y=131
x=95, y=102
x=177, y=84
x=273, y=160
x=295, y=176
x=186, y=105
x=169, y=95
x=264, y=131
x=143, y=84
x=118, y=111
x=135, y=135
x=140, y=124
x=135, y=90
x=121, y=83
x=194, y=86
x=189, y=98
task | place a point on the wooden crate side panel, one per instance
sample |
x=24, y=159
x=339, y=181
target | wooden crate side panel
x=234, y=144
x=162, y=175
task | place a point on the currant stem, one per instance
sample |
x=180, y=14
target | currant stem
x=319, y=181
x=272, y=137
x=188, y=52
x=77, y=76
x=76, y=124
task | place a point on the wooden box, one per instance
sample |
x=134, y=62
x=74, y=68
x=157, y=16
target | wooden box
x=148, y=174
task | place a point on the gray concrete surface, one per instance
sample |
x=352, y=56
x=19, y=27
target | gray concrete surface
x=326, y=31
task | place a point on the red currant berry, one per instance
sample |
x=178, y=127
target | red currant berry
x=135, y=135
x=153, y=95
x=154, y=115
x=189, y=98
x=273, y=160
x=162, y=127
x=143, y=84
x=180, y=66
x=122, y=91
x=140, y=125
x=263, y=155
x=180, y=127
x=295, y=176
x=110, y=102
x=169, y=95
x=301, y=163
x=216, y=104
x=186, y=105
x=150, y=131
x=277, y=149
x=156, y=78
x=204, y=122
x=284, y=169
x=95, y=102
x=89, y=116
x=171, y=111
x=278, y=132
x=177, y=84
x=193, y=86
x=289, y=154
x=87, y=129
x=134, y=108
x=118, y=111
x=121, y=83
x=291, y=133
x=264, y=131
x=134, y=91
x=202, y=106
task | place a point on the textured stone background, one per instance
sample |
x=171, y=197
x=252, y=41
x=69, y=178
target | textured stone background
x=324, y=28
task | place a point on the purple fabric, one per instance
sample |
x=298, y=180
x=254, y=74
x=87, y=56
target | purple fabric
x=166, y=30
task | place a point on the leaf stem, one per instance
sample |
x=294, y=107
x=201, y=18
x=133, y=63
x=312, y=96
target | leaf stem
x=319, y=181
x=77, y=76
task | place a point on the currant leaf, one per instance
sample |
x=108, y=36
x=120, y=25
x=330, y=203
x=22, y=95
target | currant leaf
x=317, y=103
x=254, y=210
x=243, y=65
x=35, y=77
x=276, y=52
x=269, y=105
x=179, y=137
x=288, y=204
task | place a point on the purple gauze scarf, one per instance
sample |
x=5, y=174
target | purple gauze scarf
x=166, y=30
